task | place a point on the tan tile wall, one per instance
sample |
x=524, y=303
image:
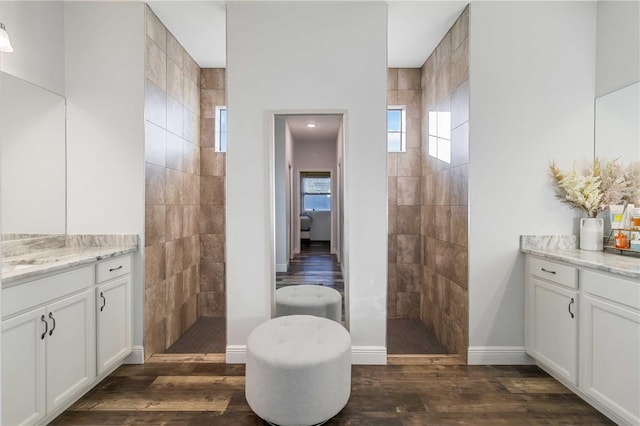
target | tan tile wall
x=445, y=87
x=172, y=193
x=405, y=198
x=212, y=196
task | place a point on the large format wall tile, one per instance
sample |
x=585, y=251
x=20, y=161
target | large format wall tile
x=172, y=189
x=444, y=297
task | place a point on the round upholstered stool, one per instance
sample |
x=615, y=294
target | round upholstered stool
x=298, y=370
x=309, y=300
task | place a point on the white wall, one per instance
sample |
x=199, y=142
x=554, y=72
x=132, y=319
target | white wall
x=618, y=45
x=532, y=82
x=311, y=56
x=280, y=182
x=340, y=196
x=36, y=30
x=289, y=150
x=105, y=125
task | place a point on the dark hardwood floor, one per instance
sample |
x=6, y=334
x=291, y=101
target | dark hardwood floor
x=200, y=389
x=412, y=390
x=313, y=265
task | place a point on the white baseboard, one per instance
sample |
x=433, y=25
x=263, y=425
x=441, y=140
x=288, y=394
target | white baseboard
x=498, y=355
x=236, y=354
x=360, y=355
x=281, y=267
x=368, y=355
x=136, y=356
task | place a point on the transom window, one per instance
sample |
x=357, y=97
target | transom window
x=221, y=129
x=396, y=129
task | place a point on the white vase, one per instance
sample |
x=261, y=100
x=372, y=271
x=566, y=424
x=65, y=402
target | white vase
x=591, y=233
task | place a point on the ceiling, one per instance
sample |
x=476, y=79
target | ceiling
x=326, y=129
x=415, y=28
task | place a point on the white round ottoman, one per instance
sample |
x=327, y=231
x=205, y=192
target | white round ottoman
x=298, y=370
x=309, y=300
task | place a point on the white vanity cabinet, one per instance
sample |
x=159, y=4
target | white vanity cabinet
x=551, y=334
x=583, y=327
x=60, y=335
x=610, y=343
x=48, y=352
x=113, y=312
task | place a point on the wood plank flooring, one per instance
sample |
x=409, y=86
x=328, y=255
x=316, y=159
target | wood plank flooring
x=313, y=265
x=412, y=390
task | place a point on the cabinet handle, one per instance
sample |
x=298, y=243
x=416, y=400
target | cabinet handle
x=46, y=327
x=550, y=272
x=104, y=301
x=54, y=323
x=569, y=307
x=115, y=269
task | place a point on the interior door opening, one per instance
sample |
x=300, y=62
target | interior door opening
x=315, y=210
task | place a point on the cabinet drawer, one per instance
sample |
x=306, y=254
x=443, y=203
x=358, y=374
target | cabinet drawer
x=615, y=289
x=113, y=268
x=24, y=296
x=554, y=272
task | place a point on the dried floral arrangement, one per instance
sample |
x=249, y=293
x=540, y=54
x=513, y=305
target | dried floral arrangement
x=597, y=187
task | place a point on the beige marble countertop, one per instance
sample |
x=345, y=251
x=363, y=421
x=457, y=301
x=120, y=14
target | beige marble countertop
x=32, y=258
x=564, y=249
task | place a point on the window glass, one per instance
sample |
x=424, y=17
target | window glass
x=221, y=129
x=316, y=193
x=396, y=129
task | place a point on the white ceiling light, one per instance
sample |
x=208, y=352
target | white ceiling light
x=311, y=125
x=5, y=44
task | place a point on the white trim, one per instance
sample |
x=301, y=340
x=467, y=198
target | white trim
x=236, y=354
x=136, y=356
x=498, y=355
x=281, y=267
x=368, y=355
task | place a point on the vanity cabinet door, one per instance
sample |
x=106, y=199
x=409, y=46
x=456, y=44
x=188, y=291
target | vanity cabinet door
x=70, y=353
x=113, y=307
x=23, y=364
x=554, y=329
x=610, y=343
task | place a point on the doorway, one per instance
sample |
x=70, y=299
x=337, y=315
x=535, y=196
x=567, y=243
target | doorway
x=316, y=212
x=307, y=151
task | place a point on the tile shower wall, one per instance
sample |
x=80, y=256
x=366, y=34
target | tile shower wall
x=212, y=197
x=445, y=89
x=172, y=193
x=405, y=200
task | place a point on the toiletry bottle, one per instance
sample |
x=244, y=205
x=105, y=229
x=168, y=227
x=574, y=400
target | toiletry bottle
x=627, y=220
x=621, y=240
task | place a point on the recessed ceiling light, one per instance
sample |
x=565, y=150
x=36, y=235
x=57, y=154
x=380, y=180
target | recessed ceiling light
x=311, y=125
